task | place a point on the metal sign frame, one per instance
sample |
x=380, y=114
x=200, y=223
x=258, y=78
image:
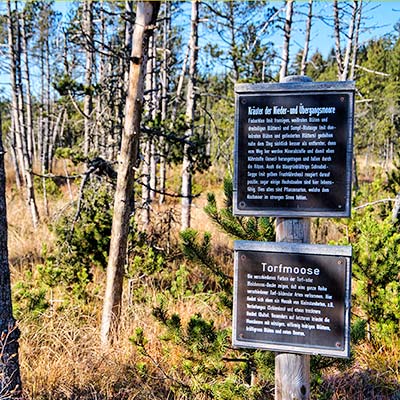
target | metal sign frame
x=280, y=208
x=254, y=299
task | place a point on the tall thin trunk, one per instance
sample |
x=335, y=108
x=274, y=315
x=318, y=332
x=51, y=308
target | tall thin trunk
x=14, y=89
x=355, y=43
x=146, y=183
x=18, y=116
x=179, y=87
x=307, y=39
x=10, y=382
x=287, y=32
x=233, y=45
x=154, y=113
x=101, y=121
x=14, y=156
x=88, y=100
x=164, y=100
x=145, y=18
x=190, y=115
x=350, y=39
x=147, y=146
x=29, y=118
x=338, y=50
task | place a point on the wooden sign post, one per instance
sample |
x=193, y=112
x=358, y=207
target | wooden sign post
x=292, y=371
x=293, y=158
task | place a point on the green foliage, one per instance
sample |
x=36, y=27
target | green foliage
x=376, y=260
x=149, y=262
x=73, y=153
x=82, y=243
x=181, y=285
x=376, y=267
x=30, y=300
x=52, y=189
x=245, y=228
x=199, y=250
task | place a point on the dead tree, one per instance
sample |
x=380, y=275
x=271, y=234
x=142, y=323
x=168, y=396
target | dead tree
x=190, y=116
x=146, y=15
x=286, y=42
x=307, y=39
x=24, y=158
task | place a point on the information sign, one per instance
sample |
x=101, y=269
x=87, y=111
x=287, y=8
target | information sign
x=293, y=149
x=292, y=297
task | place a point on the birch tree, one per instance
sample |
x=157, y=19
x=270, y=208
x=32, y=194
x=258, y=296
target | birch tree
x=286, y=42
x=190, y=116
x=304, y=56
x=164, y=97
x=146, y=14
x=345, y=62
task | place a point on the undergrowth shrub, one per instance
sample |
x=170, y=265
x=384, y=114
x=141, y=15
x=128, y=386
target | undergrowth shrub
x=83, y=238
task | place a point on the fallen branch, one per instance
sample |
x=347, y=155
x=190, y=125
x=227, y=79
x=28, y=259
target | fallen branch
x=373, y=203
x=372, y=71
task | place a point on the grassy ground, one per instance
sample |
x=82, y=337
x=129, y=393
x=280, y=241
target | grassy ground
x=61, y=357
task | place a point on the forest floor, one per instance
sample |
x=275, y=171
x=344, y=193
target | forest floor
x=60, y=352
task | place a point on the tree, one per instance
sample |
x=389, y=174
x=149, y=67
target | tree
x=242, y=29
x=287, y=31
x=191, y=98
x=307, y=39
x=10, y=380
x=146, y=15
x=88, y=101
x=21, y=133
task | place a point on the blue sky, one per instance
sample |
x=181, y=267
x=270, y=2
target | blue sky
x=379, y=18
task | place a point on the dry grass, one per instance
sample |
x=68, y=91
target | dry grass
x=60, y=352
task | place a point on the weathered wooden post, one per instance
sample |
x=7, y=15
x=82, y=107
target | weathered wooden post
x=293, y=155
x=292, y=371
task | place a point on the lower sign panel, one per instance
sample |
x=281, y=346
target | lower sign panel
x=292, y=298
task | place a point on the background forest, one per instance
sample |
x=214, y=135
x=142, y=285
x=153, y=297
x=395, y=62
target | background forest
x=67, y=68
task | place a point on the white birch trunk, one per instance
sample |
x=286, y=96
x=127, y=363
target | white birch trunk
x=190, y=115
x=307, y=39
x=286, y=42
x=350, y=39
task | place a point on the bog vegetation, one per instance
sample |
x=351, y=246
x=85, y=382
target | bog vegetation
x=62, y=120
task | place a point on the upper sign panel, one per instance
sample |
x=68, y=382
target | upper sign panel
x=293, y=149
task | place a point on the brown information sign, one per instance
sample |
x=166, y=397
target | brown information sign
x=293, y=149
x=292, y=297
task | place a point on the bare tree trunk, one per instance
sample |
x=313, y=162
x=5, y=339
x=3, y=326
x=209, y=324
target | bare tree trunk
x=190, y=115
x=14, y=90
x=164, y=100
x=146, y=183
x=10, y=382
x=338, y=50
x=19, y=125
x=350, y=39
x=154, y=113
x=29, y=118
x=14, y=156
x=287, y=30
x=88, y=100
x=148, y=145
x=101, y=105
x=307, y=39
x=146, y=15
x=355, y=43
